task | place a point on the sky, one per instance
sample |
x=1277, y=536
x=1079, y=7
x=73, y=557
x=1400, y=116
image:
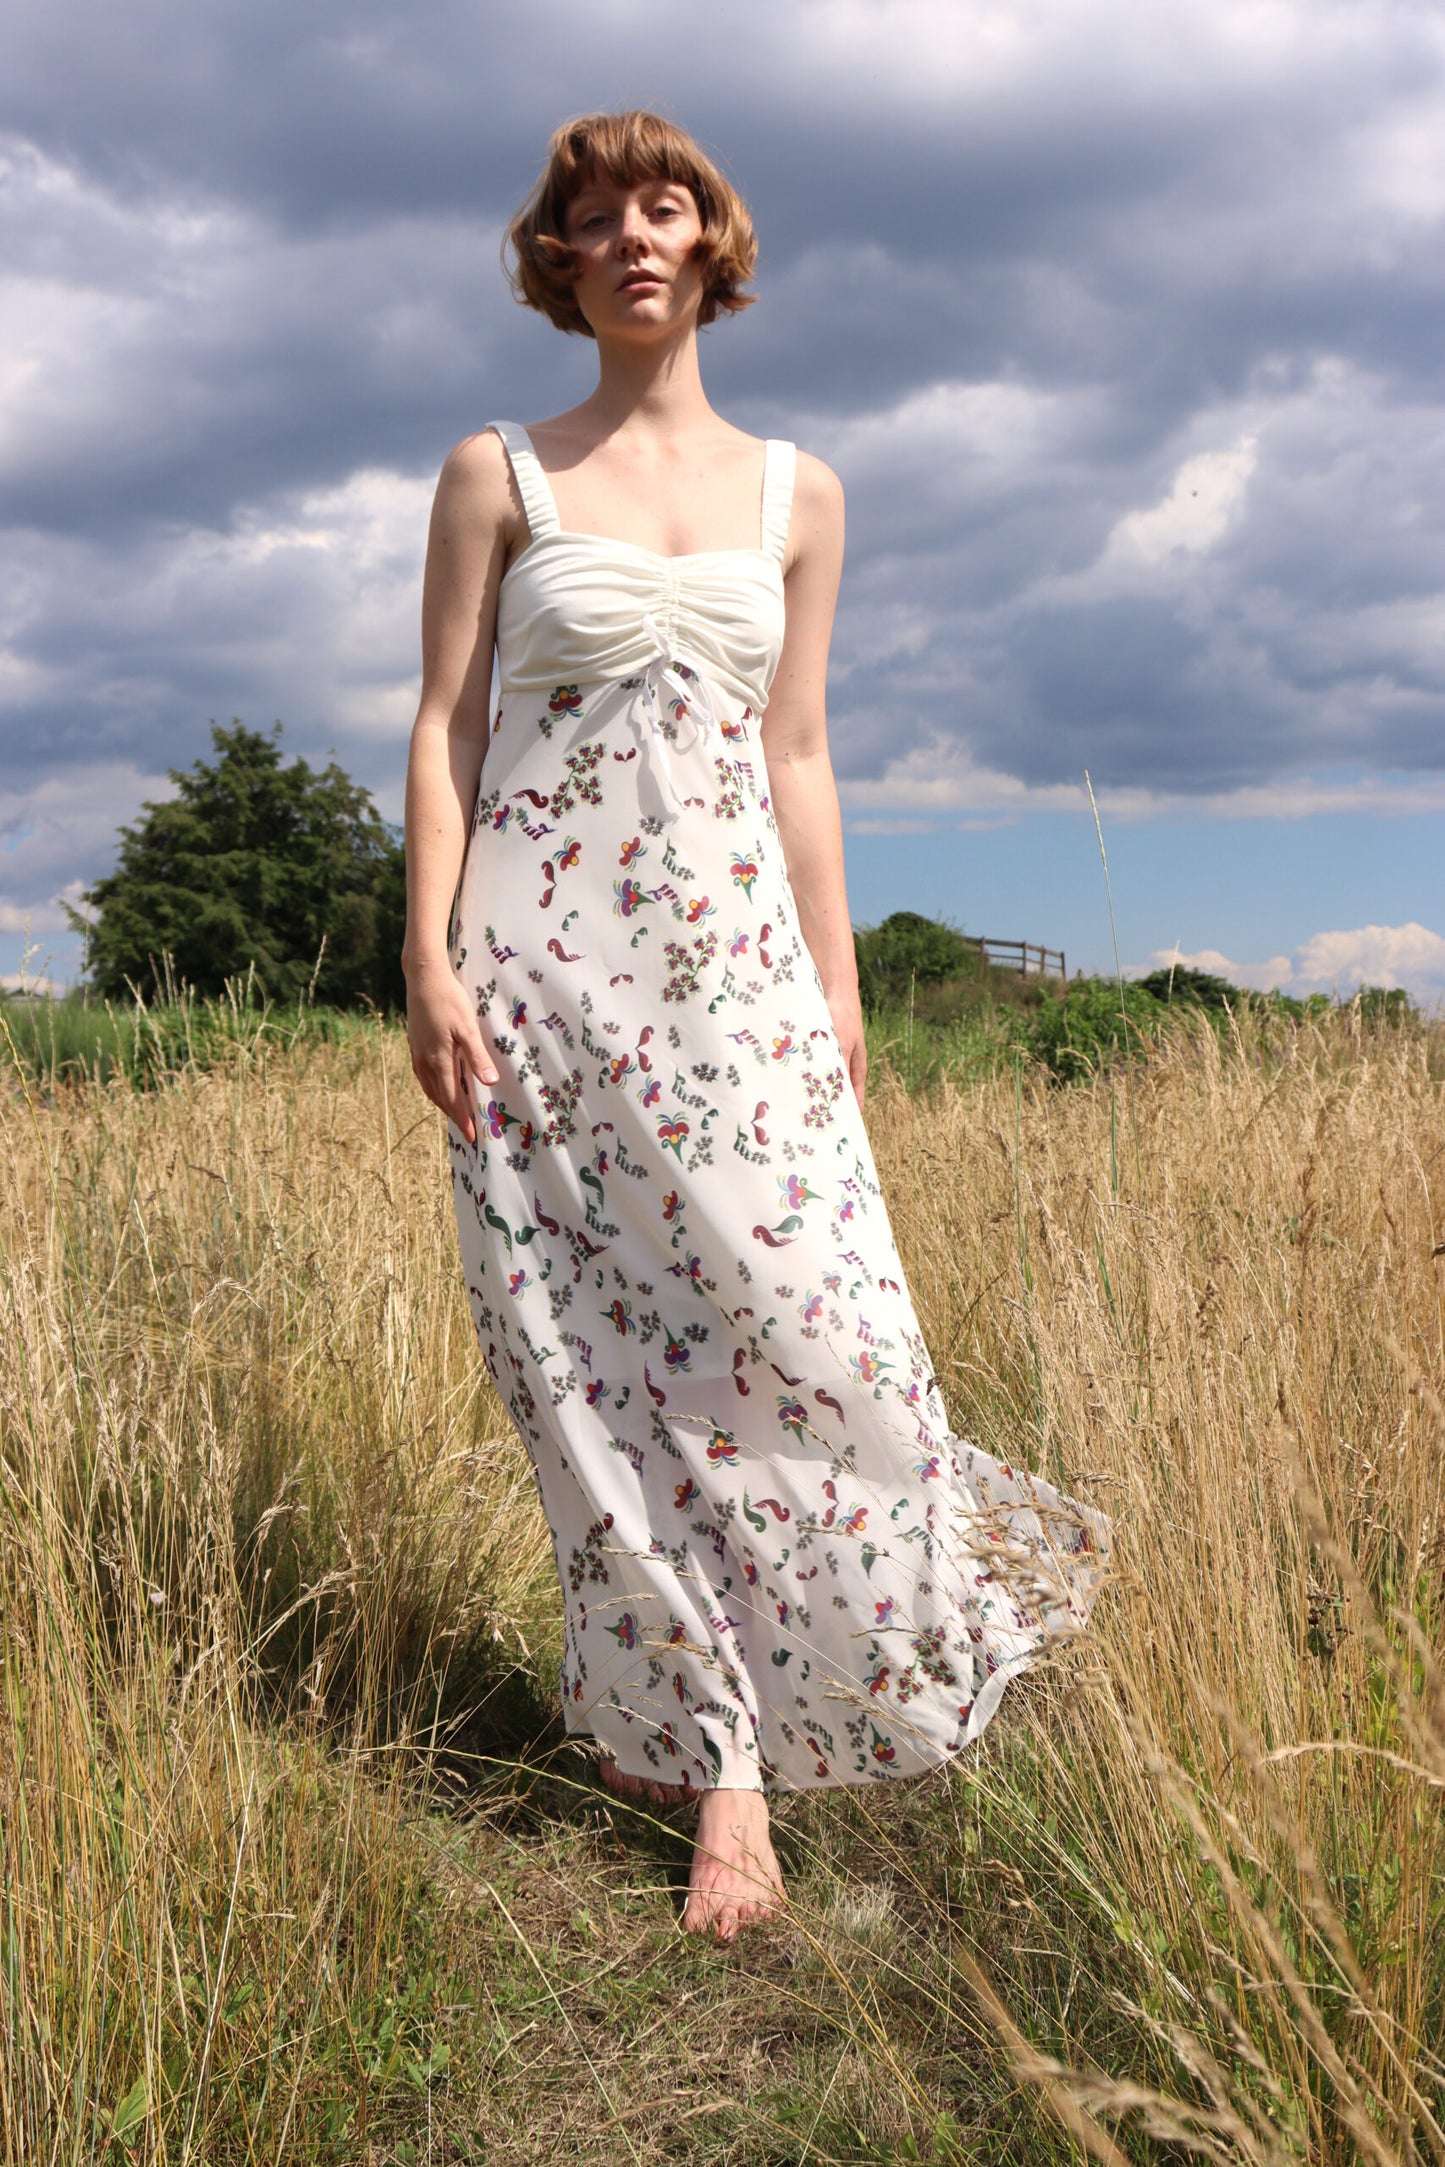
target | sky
x=1121, y=324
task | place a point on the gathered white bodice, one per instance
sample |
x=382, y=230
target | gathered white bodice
x=585, y=609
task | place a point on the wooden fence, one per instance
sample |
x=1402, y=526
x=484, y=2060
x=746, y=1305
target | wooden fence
x=1021, y=956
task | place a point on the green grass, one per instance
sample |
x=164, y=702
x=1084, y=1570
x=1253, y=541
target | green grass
x=79, y=1038
x=295, y=1864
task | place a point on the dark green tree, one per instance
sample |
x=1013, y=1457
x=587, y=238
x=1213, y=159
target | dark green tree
x=908, y=949
x=255, y=861
x=1183, y=985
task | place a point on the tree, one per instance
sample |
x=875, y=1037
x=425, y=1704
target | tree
x=906, y=950
x=255, y=862
x=1181, y=984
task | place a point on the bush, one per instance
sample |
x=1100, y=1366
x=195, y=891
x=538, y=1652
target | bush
x=907, y=951
x=1092, y=1022
x=1201, y=989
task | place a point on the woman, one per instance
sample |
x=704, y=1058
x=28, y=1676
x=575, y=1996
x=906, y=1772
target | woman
x=631, y=989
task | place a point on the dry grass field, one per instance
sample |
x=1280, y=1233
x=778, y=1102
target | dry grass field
x=297, y=1866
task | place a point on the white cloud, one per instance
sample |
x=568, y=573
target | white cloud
x=1195, y=513
x=1337, y=963
x=941, y=776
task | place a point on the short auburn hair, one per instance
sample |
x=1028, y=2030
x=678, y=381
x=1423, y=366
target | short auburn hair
x=623, y=149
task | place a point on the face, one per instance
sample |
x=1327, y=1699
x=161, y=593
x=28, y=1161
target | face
x=636, y=260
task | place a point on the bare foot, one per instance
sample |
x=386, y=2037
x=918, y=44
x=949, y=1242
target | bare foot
x=658, y=1794
x=736, y=1880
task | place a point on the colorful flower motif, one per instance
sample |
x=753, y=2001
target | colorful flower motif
x=928, y=1470
x=723, y=1451
x=793, y=1192
x=671, y=1206
x=672, y=1134
x=624, y=1632
x=738, y=945
x=854, y=1522
x=597, y=1391
x=868, y=1367
x=877, y=1678
x=675, y=1355
x=518, y=1015
x=682, y=1689
x=883, y=1612
x=651, y=1092
x=526, y=1136
x=811, y=1309
x=631, y=852
x=566, y=700
x=745, y=872
x=668, y=1739
x=500, y=818
x=619, y=1313
x=700, y=908
x=498, y=1120
x=620, y=1069
x=630, y=894
x=883, y=1749
x=783, y=1048
x=568, y=855
x=792, y=1414
x=518, y=1281
x=686, y=1494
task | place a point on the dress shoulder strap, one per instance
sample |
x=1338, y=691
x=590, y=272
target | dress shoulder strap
x=533, y=487
x=779, y=465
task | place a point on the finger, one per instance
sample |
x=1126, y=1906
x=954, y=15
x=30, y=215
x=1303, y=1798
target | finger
x=478, y=1060
x=466, y=1099
x=437, y=1077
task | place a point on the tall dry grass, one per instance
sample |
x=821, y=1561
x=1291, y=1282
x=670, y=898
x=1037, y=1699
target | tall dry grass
x=270, y=1566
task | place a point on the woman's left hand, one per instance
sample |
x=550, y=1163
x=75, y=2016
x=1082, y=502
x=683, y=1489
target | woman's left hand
x=847, y=1015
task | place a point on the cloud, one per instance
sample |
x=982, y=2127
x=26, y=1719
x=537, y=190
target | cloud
x=1131, y=369
x=1194, y=515
x=1336, y=963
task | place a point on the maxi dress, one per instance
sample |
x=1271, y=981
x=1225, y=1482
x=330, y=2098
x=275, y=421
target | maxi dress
x=779, y=1568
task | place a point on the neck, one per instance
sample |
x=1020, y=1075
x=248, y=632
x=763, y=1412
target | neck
x=656, y=386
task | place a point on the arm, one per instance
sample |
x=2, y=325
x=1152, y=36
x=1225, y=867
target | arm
x=795, y=744
x=474, y=520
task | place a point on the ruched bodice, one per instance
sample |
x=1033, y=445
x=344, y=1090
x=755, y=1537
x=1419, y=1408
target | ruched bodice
x=574, y=605
x=591, y=610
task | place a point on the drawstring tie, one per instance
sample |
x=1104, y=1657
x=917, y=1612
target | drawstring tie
x=687, y=699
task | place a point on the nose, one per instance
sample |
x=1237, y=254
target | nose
x=631, y=232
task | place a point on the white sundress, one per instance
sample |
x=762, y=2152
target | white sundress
x=779, y=1568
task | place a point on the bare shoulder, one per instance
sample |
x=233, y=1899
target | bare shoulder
x=815, y=544
x=478, y=467
x=475, y=491
x=817, y=490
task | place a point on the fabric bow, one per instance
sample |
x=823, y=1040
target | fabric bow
x=689, y=700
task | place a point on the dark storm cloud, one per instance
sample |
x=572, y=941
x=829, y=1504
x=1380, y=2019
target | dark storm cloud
x=1018, y=271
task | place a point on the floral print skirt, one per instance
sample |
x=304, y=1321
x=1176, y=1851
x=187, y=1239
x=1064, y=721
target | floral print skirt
x=779, y=1567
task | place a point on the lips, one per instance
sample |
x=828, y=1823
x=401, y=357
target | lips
x=638, y=278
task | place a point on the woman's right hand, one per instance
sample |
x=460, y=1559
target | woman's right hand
x=448, y=1051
